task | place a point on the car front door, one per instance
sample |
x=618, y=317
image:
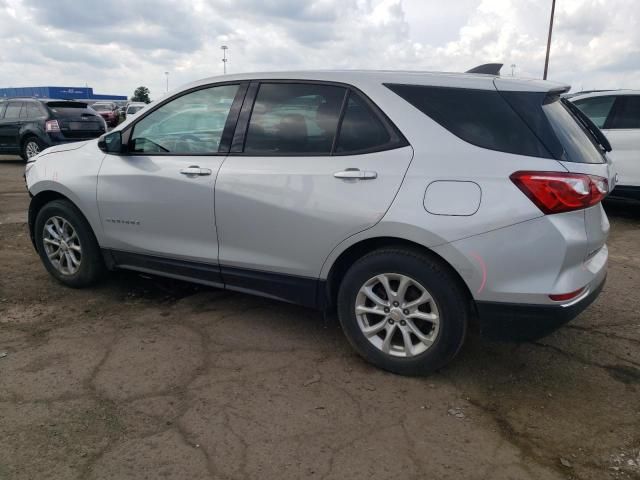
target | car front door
x=292, y=188
x=622, y=129
x=156, y=201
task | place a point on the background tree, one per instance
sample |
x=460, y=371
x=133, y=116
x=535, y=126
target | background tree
x=141, y=94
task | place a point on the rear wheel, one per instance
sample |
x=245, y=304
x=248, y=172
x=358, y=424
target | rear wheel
x=67, y=246
x=403, y=311
x=31, y=146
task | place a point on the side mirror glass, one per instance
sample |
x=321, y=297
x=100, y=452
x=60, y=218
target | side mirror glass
x=111, y=142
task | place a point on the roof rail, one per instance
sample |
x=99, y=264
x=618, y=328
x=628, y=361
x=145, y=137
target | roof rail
x=487, y=68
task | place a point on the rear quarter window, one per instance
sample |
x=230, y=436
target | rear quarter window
x=480, y=117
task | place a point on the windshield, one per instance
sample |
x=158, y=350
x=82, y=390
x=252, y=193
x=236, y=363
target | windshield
x=576, y=143
x=101, y=108
x=135, y=109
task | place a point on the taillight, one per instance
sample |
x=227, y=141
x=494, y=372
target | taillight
x=556, y=192
x=52, y=126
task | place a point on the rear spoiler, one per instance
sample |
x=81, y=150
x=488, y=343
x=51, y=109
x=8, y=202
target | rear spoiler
x=487, y=69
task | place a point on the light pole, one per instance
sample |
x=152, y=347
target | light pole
x=166, y=74
x=513, y=67
x=224, y=49
x=546, y=59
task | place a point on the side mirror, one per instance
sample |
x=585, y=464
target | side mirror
x=111, y=142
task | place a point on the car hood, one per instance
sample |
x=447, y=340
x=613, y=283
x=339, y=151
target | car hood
x=65, y=147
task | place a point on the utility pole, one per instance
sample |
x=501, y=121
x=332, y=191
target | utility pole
x=224, y=49
x=166, y=74
x=546, y=60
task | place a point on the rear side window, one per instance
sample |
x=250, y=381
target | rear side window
x=33, y=111
x=13, y=110
x=294, y=119
x=480, y=117
x=361, y=129
x=596, y=108
x=626, y=113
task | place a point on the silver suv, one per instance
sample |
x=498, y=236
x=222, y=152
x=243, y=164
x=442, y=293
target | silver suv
x=410, y=202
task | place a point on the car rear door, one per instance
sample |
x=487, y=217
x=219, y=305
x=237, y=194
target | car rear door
x=622, y=128
x=157, y=201
x=291, y=190
x=10, y=127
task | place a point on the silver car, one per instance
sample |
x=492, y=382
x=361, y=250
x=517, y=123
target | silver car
x=411, y=202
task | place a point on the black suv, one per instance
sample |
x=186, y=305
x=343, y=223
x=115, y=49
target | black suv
x=29, y=125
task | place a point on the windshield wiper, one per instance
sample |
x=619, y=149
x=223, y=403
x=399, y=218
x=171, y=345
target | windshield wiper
x=586, y=122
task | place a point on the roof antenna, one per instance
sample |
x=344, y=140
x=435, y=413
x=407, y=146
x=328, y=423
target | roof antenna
x=487, y=69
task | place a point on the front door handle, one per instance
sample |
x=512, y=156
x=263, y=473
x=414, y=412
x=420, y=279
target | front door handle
x=195, y=170
x=355, y=174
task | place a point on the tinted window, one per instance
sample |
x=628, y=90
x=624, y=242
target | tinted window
x=596, y=108
x=480, y=117
x=294, y=119
x=33, y=111
x=360, y=129
x=192, y=123
x=626, y=113
x=13, y=110
x=576, y=142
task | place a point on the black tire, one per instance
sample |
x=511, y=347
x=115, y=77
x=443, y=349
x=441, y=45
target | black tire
x=91, y=267
x=23, y=150
x=437, y=278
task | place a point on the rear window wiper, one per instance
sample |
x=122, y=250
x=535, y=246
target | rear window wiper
x=586, y=122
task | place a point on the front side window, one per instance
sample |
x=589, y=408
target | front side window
x=190, y=124
x=360, y=129
x=596, y=108
x=13, y=110
x=294, y=119
x=626, y=113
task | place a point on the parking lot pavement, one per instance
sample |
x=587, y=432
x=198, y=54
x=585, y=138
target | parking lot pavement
x=142, y=377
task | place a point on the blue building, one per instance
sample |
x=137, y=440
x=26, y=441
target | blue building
x=67, y=93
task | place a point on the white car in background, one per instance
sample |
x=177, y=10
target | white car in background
x=133, y=108
x=617, y=114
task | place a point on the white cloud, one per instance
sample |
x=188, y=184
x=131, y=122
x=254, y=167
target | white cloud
x=117, y=45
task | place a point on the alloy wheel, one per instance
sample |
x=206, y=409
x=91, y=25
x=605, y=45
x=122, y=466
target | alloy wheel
x=62, y=245
x=397, y=315
x=32, y=149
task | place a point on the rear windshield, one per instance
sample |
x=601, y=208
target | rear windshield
x=69, y=109
x=66, y=105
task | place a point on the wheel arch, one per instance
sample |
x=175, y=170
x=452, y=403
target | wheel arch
x=359, y=249
x=40, y=200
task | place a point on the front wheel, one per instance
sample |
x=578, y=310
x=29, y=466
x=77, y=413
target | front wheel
x=403, y=311
x=66, y=245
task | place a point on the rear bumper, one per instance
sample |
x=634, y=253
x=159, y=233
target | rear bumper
x=523, y=322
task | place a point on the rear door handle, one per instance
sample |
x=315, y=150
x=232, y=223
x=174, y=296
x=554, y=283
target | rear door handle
x=195, y=170
x=356, y=174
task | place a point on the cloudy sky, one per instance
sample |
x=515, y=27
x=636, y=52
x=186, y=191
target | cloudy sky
x=116, y=45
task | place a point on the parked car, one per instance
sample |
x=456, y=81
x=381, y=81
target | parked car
x=29, y=125
x=410, y=202
x=133, y=108
x=617, y=113
x=108, y=111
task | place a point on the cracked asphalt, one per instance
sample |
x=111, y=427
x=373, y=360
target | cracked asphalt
x=147, y=378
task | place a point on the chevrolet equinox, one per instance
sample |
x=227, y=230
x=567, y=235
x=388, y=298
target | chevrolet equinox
x=408, y=201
